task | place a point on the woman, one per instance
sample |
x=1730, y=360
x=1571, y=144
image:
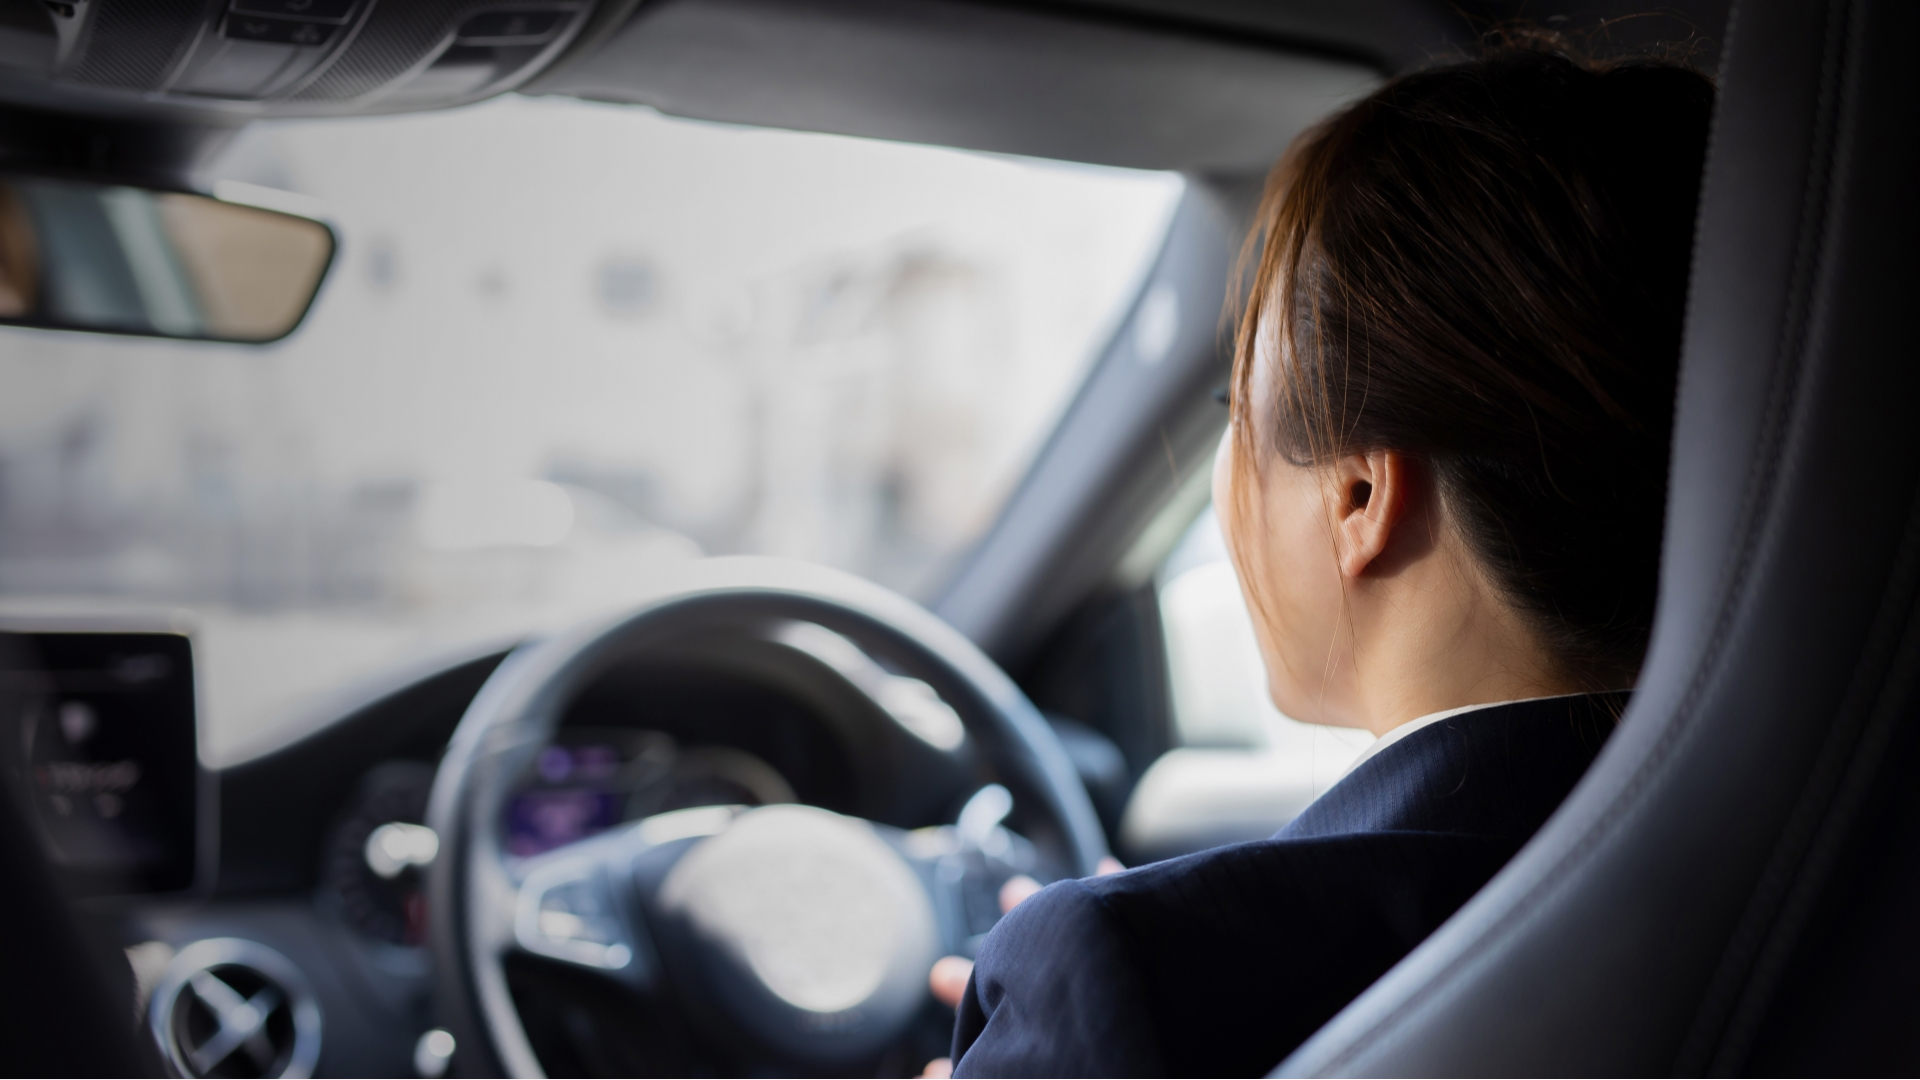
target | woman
x=1443, y=485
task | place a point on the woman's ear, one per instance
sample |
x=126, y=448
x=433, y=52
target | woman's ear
x=1371, y=498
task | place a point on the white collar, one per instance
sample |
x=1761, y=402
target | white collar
x=1395, y=734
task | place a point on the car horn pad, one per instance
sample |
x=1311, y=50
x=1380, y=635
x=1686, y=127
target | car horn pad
x=807, y=931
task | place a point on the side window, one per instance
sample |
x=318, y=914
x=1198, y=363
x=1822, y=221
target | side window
x=1242, y=770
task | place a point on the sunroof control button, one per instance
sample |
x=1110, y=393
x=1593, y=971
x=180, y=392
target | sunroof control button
x=325, y=10
x=278, y=31
x=525, y=27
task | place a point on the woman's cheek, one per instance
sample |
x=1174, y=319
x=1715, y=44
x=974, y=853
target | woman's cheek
x=1223, y=476
x=1287, y=552
x=1303, y=583
x=1286, y=658
x=1253, y=556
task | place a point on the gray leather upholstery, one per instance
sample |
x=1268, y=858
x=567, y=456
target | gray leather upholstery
x=1732, y=888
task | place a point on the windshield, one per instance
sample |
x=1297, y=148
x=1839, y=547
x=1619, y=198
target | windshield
x=565, y=346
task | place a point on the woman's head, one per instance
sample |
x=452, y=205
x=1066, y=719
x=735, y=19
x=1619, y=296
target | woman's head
x=1456, y=372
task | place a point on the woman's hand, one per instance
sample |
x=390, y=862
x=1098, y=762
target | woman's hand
x=948, y=979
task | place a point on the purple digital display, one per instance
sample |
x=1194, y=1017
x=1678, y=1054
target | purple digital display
x=572, y=801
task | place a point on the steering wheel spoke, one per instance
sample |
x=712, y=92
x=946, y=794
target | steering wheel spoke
x=964, y=877
x=579, y=904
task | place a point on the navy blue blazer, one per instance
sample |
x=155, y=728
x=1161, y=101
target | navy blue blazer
x=1221, y=962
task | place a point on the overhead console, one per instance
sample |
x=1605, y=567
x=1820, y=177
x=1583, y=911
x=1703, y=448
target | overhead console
x=241, y=59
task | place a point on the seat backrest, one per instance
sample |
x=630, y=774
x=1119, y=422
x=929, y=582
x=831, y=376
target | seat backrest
x=1732, y=887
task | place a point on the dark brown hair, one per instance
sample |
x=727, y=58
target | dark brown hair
x=1484, y=266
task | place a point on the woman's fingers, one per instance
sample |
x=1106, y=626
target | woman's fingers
x=948, y=979
x=1017, y=888
x=938, y=1069
x=1020, y=886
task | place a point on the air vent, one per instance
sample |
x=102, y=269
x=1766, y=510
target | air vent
x=228, y=1007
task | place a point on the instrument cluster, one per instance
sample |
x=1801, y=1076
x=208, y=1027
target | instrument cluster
x=592, y=779
x=587, y=781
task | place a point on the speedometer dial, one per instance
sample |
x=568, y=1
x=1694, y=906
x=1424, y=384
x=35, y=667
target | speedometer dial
x=385, y=902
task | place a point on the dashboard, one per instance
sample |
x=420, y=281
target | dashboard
x=321, y=850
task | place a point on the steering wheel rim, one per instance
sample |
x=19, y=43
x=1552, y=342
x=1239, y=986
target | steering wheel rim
x=471, y=894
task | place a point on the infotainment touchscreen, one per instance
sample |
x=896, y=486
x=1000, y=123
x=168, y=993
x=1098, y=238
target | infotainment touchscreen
x=101, y=744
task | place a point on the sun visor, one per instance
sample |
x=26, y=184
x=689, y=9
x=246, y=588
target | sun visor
x=975, y=76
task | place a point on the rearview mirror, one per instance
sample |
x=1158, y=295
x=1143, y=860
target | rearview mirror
x=114, y=259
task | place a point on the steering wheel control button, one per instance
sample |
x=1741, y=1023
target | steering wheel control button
x=808, y=929
x=278, y=31
x=567, y=912
x=321, y=10
x=686, y=824
x=228, y=1007
x=531, y=26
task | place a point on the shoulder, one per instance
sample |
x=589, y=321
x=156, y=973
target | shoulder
x=1216, y=963
x=1384, y=890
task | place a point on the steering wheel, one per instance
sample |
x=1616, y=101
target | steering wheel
x=802, y=933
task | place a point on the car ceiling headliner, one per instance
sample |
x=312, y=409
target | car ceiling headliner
x=1203, y=86
x=1206, y=86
